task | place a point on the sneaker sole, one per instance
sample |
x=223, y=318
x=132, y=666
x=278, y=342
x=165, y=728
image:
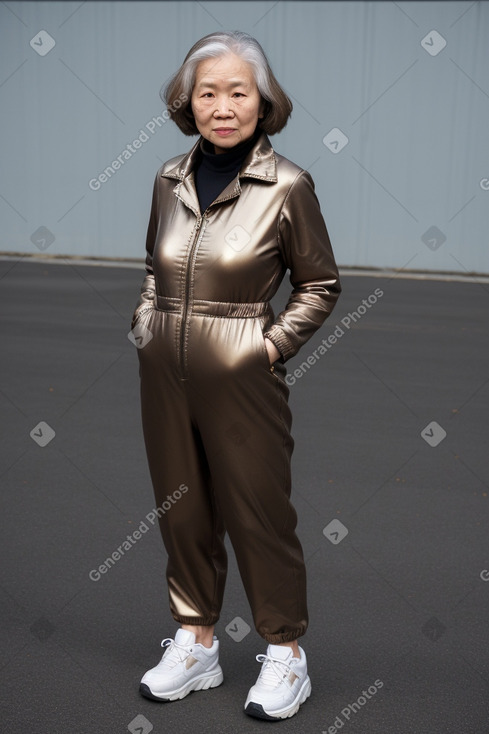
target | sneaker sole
x=197, y=684
x=258, y=712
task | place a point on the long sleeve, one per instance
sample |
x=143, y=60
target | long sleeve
x=147, y=294
x=307, y=252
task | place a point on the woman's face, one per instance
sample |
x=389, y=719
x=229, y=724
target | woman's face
x=225, y=101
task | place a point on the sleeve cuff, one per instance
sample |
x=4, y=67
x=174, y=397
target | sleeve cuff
x=281, y=341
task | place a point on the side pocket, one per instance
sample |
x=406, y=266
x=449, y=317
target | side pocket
x=262, y=345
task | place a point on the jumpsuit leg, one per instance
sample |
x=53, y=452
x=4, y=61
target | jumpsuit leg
x=241, y=407
x=191, y=528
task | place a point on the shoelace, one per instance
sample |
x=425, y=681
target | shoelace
x=174, y=653
x=274, y=671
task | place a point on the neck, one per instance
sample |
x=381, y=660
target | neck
x=213, y=151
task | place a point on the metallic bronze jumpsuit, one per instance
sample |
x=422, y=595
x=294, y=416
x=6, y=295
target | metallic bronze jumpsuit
x=215, y=413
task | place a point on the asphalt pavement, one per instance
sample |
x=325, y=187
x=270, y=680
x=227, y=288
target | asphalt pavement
x=390, y=482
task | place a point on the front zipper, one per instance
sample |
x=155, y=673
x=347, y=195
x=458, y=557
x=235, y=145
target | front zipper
x=188, y=270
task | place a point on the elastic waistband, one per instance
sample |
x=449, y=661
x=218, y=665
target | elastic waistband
x=214, y=308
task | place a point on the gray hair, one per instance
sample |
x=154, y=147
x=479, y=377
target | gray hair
x=277, y=105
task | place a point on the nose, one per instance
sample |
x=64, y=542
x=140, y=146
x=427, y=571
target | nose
x=223, y=107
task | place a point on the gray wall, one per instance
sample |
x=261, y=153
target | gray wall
x=415, y=169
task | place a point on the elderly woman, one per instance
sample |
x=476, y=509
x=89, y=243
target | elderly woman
x=227, y=220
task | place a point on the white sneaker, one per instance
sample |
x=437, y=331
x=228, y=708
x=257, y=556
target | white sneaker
x=185, y=666
x=282, y=686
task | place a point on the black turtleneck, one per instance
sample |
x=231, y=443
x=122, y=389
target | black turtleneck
x=214, y=171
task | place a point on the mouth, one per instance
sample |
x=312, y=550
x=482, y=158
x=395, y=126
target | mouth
x=224, y=130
